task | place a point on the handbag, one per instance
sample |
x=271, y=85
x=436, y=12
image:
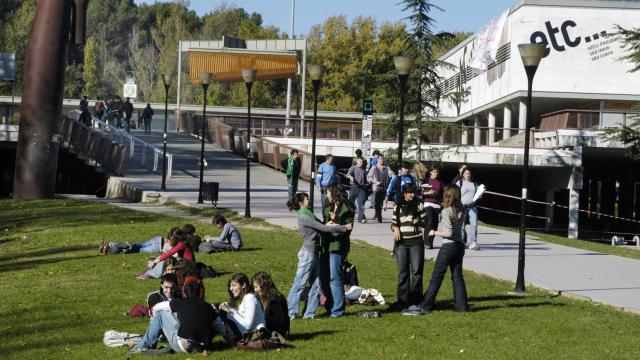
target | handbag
x=256, y=340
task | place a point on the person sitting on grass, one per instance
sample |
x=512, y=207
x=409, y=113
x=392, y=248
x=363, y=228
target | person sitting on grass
x=154, y=245
x=180, y=248
x=168, y=291
x=195, y=239
x=243, y=312
x=229, y=239
x=449, y=256
x=274, y=304
x=189, y=323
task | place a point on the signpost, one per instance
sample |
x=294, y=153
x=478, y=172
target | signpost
x=130, y=89
x=367, y=125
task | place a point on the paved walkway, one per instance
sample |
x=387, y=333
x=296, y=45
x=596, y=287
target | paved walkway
x=603, y=278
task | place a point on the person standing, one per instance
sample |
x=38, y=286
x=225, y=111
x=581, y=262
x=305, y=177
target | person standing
x=99, y=108
x=84, y=104
x=128, y=111
x=334, y=249
x=311, y=230
x=358, y=194
x=432, y=190
x=358, y=156
x=379, y=176
x=373, y=160
x=449, y=256
x=327, y=175
x=147, y=115
x=404, y=178
x=292, y=169
x=461, y=168
x=409, y=248
x=468, y=188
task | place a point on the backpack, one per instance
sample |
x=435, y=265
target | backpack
x=114, y=338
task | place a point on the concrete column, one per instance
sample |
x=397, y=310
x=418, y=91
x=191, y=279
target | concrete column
x=464, y=140
x=492, y=128
x=522, y=116
x=476, y=131
x=574, y=214
x=506, y=122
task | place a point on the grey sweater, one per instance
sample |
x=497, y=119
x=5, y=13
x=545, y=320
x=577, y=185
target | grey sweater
x=230, y=235
x=450, y=226
x=309, y=229
x=467, y=191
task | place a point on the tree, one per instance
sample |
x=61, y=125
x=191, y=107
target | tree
x=629, y=135
x=143, y=61
x=91, y=70
x=15, y=32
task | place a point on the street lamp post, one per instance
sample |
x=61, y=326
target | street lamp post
x=205, y=78
x=403, y=66
x=315, y=72
x=531, y=55
x=166, y=79
x=249, y=76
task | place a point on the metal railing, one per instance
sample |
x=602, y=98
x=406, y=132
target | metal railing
x=148, y=155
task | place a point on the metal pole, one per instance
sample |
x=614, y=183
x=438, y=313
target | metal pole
x=164, y=138
x=247, y=208
x=530, y=70
x=287, y=124
x=403, y=86
x=204, y=119
x=316, y=88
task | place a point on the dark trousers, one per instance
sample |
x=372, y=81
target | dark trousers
x=410, y=260
x=378, y=200
x=450, y=255
x=358, y=195
x=432, y=224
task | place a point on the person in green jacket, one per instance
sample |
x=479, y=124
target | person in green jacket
x=293, y=173
x=335, y=248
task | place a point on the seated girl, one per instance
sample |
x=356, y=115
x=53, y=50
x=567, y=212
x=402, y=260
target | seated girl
x=229, y=239
x=154, y=245
x=274, y=304
x=243, y=312
x=180, y=248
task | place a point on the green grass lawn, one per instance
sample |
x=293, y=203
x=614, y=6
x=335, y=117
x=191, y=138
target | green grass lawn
x=59, y=296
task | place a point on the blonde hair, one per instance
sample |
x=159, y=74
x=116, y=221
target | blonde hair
x=420, y=171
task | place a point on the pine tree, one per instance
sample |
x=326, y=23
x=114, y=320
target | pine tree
x=91, y=68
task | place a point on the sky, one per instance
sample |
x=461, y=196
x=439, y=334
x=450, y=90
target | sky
x=458, y=15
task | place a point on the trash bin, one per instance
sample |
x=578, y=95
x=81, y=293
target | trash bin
x=210, y=192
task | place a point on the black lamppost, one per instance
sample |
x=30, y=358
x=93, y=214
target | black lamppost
x=205, y=78
x=403, y=66
x=166, y=79
x=315, y=73
x=531, y=55
x=249, y=76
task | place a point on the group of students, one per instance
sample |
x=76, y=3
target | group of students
x=112, y=112
x=189, y=323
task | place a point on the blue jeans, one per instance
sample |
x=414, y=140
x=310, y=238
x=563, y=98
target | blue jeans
x=306, y=272
x=449, y=256
x=358, y=195
x=470, y=213
x=151, y=246
x=330, y=281
x=410, y=260
x=169, y=324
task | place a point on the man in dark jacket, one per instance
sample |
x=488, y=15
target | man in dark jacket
x=292, y=169
x=128, y=111
x=191, y=328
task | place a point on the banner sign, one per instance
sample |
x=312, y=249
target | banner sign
x=367, y=125
x=487, y=42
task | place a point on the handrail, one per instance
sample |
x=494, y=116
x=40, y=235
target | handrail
x=133, y=141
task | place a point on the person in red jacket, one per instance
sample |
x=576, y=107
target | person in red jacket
x=181, y=249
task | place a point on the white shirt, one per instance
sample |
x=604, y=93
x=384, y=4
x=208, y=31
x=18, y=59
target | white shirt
x=248, y=315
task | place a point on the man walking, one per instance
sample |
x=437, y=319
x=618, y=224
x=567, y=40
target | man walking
x=292, y=169
x=327, y=175
x=128, y=111
x=379, y=176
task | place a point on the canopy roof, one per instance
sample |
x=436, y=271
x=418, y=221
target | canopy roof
x=225, y=64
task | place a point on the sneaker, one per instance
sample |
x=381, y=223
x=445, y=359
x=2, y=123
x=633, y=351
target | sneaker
x=292, y=317
x=137, y=350
x=413, y=310
x=143, y=276
x=474, y=246
x=309, y=317
x=363, y=221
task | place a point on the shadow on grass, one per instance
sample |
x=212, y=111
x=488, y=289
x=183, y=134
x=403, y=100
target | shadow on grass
x=309, y=335
x=23, y=265
x=6, y=241
x=46, y=252
x=526, y=305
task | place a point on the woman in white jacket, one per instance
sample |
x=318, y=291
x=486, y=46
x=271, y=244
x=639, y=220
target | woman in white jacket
x=243, y=312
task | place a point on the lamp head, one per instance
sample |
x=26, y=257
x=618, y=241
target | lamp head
x=205, y=78
x=316, y=72
x=403, y=64
x=531, y=54
x=166, y=79
x=249, y=75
